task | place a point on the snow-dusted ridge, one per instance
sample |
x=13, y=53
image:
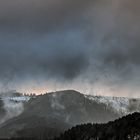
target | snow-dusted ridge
x=121, y=105
x=17, y=98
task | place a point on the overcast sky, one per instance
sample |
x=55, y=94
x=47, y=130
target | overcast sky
x=88, y=45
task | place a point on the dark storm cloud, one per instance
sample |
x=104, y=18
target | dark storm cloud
x=58, y=55
x=43, y=15
x=119, y=34
x=35, y=38
x=69, y=38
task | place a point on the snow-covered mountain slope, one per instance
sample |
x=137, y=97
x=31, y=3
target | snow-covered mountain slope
x=121, y=105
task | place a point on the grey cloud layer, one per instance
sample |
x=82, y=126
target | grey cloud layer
x=56, y=55
x=69, y=38
x=40, y=15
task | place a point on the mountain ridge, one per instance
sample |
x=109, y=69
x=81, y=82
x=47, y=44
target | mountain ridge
x=57, y=112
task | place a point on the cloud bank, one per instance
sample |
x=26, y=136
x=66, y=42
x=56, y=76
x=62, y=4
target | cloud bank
x=76, y=43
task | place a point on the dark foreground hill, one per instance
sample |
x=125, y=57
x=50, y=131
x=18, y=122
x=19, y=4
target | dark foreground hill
x=126, y=128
